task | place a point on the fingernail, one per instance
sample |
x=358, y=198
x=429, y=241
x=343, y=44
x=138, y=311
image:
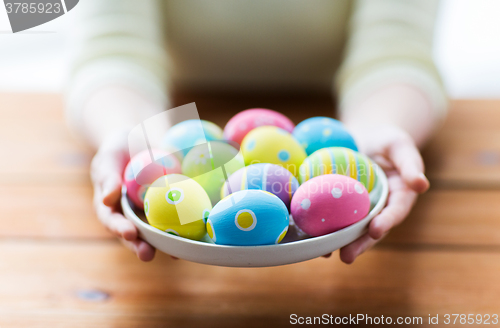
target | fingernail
x=422, y=176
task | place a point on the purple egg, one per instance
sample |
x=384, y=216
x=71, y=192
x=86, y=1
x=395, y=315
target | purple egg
x=267, y=177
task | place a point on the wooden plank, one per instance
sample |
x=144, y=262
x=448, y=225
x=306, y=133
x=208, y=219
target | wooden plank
x=219, y=106
x=63, y=284
x=49, y=212
x=446, y=217
x=440, y=217
x=36, y=144
x=466, y=150
x=464, y=153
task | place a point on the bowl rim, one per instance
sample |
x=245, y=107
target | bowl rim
x=380, y=204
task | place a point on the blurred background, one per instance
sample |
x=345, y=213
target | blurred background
x=467, y=51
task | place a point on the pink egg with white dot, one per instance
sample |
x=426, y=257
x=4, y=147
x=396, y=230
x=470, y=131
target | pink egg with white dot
x=328, y=203
x=144, y=168
x=243, y=122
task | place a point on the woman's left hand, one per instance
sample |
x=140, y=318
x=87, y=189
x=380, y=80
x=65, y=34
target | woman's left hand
x=396, y=153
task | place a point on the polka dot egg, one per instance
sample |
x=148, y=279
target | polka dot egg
x=329, y=203
x=142, y=170
x=205, y=164
x=268, y=177
x=321, y=132
x=187, y=134
x=269, y=144
x=338, y=160
x=242, y=123
x=178, y=205
x=248, y=218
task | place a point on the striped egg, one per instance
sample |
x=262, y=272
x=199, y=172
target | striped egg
x=321, y=132
x=268, y=177
x=269, y=144
x=248, y=218
x=142, y=170
x=187, y=134
x=243, y=122
x=339, y=160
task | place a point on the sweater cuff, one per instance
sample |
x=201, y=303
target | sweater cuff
x=354, y=88
x=110, y=71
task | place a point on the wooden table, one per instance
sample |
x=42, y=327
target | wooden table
x=60, y=267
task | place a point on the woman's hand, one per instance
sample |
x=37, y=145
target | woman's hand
x=395, y=151
x=106, y=172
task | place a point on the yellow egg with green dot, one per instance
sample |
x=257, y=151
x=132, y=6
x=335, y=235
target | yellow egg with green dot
x=178, y=205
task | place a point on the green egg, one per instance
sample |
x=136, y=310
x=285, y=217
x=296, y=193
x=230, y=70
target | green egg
x=211, y=164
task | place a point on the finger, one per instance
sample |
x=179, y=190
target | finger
x=399, y=204
x=107, y=170
x=143, y=250
x=116, y=223
x=406, y=157
x=122, y=227
x=350, y=252
x=112, y=189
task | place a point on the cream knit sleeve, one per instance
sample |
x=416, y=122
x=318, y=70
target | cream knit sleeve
x=390, y=41
x=116, y=42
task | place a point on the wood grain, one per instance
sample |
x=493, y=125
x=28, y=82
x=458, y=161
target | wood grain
x=452, y=217
x=440, y=217
x=59, y=267
x=62, y=212
x=37, y=147
x=172, y=293
x=465, y=153
x=41, y=149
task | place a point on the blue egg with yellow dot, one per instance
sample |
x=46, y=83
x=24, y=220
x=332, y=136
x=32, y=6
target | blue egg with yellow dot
x=187, y=134
x=321, y=132
x=248, y=218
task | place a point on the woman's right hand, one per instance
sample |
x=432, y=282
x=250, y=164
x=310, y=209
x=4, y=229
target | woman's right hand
x=106, y=171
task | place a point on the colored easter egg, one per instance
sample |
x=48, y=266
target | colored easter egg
x=339, y=160
x=178, y=205
x=328, y=203
x=211, y=164
x=248, y=218
x=187, y=134
x=321, y=132
x=269, y=144
x=264, y=176
x=243, y=122
x=142, y=170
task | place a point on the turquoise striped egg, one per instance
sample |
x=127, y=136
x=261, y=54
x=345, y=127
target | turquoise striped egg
x=248, y=218
x=339, y=160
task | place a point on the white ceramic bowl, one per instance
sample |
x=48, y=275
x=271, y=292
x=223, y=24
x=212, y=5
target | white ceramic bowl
x=296, y=247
